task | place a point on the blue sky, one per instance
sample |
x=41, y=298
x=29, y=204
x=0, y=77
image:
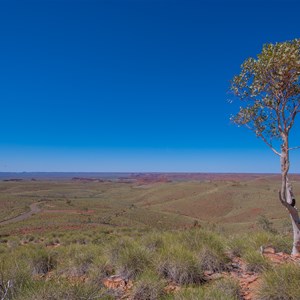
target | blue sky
x=132, y=85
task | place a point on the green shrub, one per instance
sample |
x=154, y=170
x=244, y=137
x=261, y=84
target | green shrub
x=76, y=260
x=52, y=290
x=14, y=277
x=282, y=243
x=179, y=265
x=100, y=269
x=212, y=261
x=13, y=243
x=255, y=261
x=195, y=293
x=102, y=238
x=71, y=238
x=29, y=238
x=239, y=245
x=42, y=261
x=153, y=241
x=3, y=249
x=280, y=283
x=130, y=258
x=267, y=239
x=148, y=287
x=196, y=239
x=208, y=246
x=223, y=289
x=265, y=224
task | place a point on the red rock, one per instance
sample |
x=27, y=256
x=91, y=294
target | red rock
x=116, y=282
x=269, y=250
x=171, y=288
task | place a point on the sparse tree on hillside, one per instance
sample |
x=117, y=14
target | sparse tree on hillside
x=269, y=88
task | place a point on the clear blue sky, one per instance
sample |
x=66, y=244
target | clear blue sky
x=132, y=85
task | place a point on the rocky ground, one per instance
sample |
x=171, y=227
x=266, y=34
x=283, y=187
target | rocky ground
x=249, y=281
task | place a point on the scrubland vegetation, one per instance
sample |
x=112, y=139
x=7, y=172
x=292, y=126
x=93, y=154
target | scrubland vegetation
x=86, y=233
x=31, y=268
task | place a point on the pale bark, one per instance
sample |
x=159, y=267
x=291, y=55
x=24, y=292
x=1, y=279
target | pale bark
x=286, y=195
x=285, y=166
x=296, y=236
x=294, y=215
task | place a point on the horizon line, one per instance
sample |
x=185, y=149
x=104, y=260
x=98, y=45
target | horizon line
x=143, y=172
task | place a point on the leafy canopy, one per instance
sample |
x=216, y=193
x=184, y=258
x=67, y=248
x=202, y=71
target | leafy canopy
x=269, y=87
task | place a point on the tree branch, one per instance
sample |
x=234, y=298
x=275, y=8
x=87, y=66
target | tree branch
x=277, y=109
x=294, y=148
x=292, y=116
x=264, y=140
x=269, y=144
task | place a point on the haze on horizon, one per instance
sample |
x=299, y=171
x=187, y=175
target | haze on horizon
x=132, y=86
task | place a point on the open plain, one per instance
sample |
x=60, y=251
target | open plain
x=144, y=236
x=165, y=201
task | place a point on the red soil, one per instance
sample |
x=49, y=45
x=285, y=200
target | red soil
x=250, y=213
x=69, y=211
x=29, y=230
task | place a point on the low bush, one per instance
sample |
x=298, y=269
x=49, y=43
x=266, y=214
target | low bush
x=280, y=283
x=130, y=258
x=148, y=287
x=3, y=249
x=180, y=265
x=255, y=261
x=150, y=258
x=190, y=293
x=224, y=289
x=153, y=241
x=239, y=245
x=63, y=290
x=196, y=239
x=265, y=224
x=14, y=277
x=259, y=239
x=13, y=243
x=42, y=261
x=100, y=269
x=212, y=261
x=76, y=260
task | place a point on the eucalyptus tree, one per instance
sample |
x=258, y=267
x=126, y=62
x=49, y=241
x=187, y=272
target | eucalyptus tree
x=269, y=89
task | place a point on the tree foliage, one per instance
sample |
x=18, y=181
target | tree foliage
x=269, y=88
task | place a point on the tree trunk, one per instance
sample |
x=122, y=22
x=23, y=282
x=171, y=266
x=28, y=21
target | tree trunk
x=285, y=166
x=286, y=194
x=295, y=223
x=296, y=233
